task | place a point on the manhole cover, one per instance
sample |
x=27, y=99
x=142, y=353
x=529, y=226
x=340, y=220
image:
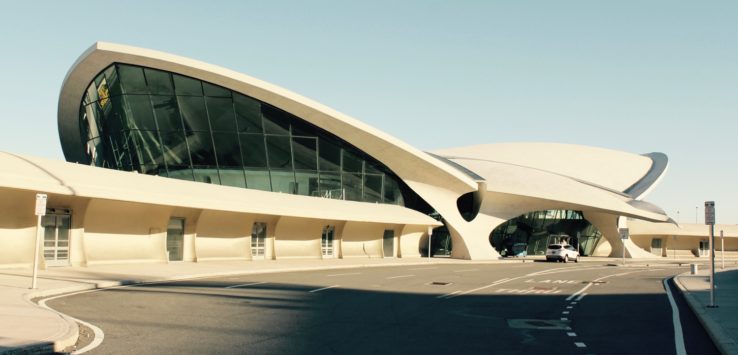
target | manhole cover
x=544, y=324
x=439, y=283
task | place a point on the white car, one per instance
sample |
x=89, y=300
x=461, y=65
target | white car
x=562, y=252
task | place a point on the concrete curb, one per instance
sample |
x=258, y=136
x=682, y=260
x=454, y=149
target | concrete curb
x=719, y=337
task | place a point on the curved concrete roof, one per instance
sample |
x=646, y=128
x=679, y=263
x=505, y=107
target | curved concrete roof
x=536, y=183
x=615, y=170
x=69, y=179
x=407, y=162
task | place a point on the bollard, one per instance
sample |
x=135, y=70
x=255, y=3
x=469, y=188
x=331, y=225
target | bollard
x=694, y=269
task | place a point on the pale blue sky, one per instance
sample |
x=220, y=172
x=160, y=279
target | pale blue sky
x=637, y=76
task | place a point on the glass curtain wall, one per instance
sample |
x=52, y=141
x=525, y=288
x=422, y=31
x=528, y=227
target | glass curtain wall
x=160, y=123
x=535, y=230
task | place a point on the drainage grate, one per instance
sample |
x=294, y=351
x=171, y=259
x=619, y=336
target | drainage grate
x=439, y=283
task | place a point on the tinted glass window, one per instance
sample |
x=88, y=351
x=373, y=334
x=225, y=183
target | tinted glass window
x=132, y=79
x=186, y=86
x=157, y=122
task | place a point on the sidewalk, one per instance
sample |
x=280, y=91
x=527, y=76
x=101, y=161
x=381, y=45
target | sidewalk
x=27, y=328
x=722, y=322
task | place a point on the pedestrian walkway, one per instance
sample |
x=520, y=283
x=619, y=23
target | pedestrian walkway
x=721, y=322
x=25, y=327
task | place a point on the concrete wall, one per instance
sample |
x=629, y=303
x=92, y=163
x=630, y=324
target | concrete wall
x=223, y=235
x=118, y=232
x=17, y=227
x=362, y=240
x=297, y=238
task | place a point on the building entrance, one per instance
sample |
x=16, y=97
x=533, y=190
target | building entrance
x=258, y=240
x=326, y=241
x=389, y=243
x=175, y=239
x=56, y=224
x=656, y=246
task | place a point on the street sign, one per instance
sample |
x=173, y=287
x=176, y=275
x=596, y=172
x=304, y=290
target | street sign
x=709, y=212
x=624, y=233
x=41, y=204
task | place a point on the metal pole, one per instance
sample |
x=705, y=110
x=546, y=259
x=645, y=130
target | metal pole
x=36, y=252
x=712, y=267
x=722, y=250
x=430, y=234
x=623, y=241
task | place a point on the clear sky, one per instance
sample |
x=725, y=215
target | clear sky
x=637, y=76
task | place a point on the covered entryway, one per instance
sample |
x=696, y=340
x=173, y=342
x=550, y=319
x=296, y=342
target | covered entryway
x=258, y=240
x=389, y=243
x=326, y=241
x=56, y=224
x=175, y=239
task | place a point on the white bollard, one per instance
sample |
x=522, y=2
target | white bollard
x=694, y=269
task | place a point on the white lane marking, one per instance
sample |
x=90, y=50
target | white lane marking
x=678, y=336
x=99, y=334
x=571, y=334
x=580, y=345
x=468, y=270
x=324, y=288
x=565, y=312
x=597, y=281
x=569, y=307
x=564, y=319
x=344, y=274
x=573, y=302
x=575, y=294
x=246, y=285
x=424, y=268
x=498, y=282
x=398, y=277
x=448, y=294
x=581, y=296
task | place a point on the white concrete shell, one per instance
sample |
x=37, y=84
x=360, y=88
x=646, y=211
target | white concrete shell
x=507, y=179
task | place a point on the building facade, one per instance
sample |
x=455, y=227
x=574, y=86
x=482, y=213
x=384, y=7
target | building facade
x=171, y=159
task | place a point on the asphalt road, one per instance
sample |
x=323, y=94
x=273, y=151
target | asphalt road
x=529, y=308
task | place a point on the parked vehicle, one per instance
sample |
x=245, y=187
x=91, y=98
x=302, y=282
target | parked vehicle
x=562, y=252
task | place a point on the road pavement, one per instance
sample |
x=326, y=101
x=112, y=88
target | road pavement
x=469, y=308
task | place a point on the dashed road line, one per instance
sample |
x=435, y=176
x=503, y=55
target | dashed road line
x=246, y=285
x=344, y=274
x=565, y=312
x=399, y=277
x=579, y=298
x=324, y=288
x=564, y=319
x=580, y=345
x=571, y=334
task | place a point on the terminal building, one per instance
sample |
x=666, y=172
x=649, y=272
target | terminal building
x=171, y=159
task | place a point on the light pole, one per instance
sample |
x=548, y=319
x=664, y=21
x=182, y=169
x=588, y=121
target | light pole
x=695, y=214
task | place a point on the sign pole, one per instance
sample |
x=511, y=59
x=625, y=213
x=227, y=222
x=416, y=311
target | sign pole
x=430, y=235
x=722, y=250
x=624, y=234
x=710, y=221
x=40, y=212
